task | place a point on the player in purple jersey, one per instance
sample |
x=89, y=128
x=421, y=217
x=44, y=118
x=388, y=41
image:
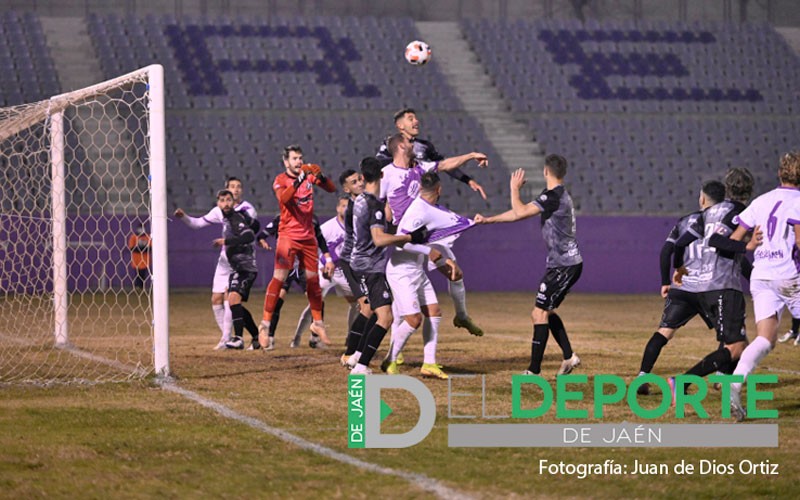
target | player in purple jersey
x=400, y=185
x=219, y=287
x=407, y=124
x=775, y=282
x=564, y=262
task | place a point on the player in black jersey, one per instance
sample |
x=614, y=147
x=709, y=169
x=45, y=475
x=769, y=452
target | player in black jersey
x=238, y=236
x=407, y=123
x=722, y=299
x=296, y=276
x=682, y=302
x=564, y=262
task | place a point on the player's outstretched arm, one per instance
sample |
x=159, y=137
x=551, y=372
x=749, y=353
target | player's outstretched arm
x=456, y=161
x=383, y=239
x=194, y=222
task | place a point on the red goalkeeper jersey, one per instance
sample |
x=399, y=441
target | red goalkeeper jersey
x=297, y=209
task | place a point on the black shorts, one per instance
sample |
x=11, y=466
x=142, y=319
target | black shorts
x=352, y=282
x=296, y=276
x=241, y=282
x=680, y=307
x=727, y=310
x=375, y=287
x=556, y=284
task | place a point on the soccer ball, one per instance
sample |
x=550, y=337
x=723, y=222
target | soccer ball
x=418, y=53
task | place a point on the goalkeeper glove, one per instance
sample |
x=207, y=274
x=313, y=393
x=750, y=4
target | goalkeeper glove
x=300, y=178
x=311, y=168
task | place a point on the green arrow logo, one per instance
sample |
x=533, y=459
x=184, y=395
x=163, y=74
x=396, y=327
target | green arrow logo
x=386, y=410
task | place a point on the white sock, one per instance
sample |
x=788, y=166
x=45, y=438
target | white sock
x=219, y=315
x=352, y=314
x=303, y=323
x=227, y=321
x=430, y=335
x=751, y=357
x=458, y=292
x=400, y=335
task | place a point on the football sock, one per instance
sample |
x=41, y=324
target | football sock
x=400, y=335
x=227, y=320
x=355, y=334
x=560, y=334
x=374, y=339
x=713, y=362
x=238, y=319
x=651, y=352
x=458, y=292
x=276, y=317
x=795, y=325
x=219, y=315
x=314, y=296
x=249, y=323
x=362, y=343
x=272, y=297
x=751, y=357
x=430, y=336
x=538, y=344
x=303, y=323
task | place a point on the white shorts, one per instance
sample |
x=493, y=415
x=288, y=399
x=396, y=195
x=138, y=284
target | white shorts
x=411, y=288
x=337, y=281
x=770, y=296
x=221, y=275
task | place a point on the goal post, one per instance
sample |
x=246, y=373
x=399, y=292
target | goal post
x=84, y=170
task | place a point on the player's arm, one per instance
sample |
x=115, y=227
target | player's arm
x=318, y=177
x=197, y=222
x=383, y=239
x=454, y=162
x=270, y=230
x=520, y=210
x=735, y=243
x=285, y=191
x=665, y=265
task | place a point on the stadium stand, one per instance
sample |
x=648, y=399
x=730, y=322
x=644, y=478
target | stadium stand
x=27, y=73
x=239, y=90
x=646, y=110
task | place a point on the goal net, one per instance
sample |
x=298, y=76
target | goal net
x=83, y=204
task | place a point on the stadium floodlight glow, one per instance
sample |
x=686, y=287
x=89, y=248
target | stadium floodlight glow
x=84, y=168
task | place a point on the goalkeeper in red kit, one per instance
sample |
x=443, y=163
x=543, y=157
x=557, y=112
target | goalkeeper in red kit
x=296, y=238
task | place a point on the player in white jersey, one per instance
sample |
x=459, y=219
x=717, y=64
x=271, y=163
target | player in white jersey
x=219, y=287
x=331, y=274
x=775, y=281
x=400, y=185
x=412, y=290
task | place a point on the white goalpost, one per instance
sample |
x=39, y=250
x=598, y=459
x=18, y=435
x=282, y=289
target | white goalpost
x=81, y=173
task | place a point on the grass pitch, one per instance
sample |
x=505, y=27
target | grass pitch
x=135, y=440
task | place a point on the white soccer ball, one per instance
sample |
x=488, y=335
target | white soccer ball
x=418, y=53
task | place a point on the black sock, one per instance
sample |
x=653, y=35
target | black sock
x=651, y=352
x=355, y=334
x=249, y=324
x=374, y=339
x=362, y=344
x=238, y=319
x=795, y=325
x=560, y=334
x=715, y=361
x=276, y=316
x=323, y=310
x=538, y=344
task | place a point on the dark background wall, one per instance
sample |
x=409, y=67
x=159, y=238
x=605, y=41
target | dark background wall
x=620, y=255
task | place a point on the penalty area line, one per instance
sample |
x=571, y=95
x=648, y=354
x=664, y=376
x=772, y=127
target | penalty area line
x=419, y=480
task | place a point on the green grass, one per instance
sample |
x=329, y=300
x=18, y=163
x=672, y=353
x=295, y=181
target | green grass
x=135, y=440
